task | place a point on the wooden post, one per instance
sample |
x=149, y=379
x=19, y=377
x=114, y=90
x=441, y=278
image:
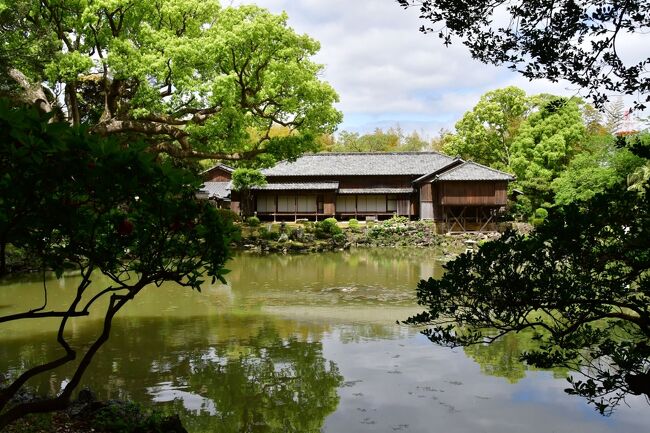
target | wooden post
x=486, y=222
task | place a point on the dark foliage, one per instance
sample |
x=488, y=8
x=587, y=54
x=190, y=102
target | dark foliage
x=580, y=282
x=69, y=198
x=572, y=40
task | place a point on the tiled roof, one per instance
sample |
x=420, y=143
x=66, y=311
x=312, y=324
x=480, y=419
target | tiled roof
x=223, y=167
x=378, y=190
x=303, y=186
x=357, y=164
x=456, y=161
x=473, y=171
x=217, y=189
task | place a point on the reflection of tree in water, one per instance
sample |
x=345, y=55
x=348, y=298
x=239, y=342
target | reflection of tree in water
x=229, y=373
x=282, y=385
x=502, y=358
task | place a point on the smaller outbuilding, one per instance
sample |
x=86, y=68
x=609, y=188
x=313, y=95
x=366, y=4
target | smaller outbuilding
x=218, y=185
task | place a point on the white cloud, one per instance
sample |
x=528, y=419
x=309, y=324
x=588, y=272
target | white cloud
x=387, y=72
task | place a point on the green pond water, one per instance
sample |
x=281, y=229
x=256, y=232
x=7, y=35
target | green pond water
x=304, y=344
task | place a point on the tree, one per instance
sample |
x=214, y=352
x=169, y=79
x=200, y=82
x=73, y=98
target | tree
x=485, y=134
x=243, y=179
x=533, y=137
x=92, y=204
x=615, y=112
x=575, y=41
x=546, y=142
x=391, y=140
x=190, y=78
x=591, y=173
x=580, y=282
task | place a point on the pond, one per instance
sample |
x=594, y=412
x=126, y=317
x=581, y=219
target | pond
x=306, y=343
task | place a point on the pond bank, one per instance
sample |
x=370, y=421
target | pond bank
x=87, y=414
x=310, y=237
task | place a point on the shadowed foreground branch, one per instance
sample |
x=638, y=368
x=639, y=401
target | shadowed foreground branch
x=580, y=282
x=72, y=199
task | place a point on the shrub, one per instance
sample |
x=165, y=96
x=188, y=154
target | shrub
x=521, y=208
x=353, y=224
x=229, y=215
x=128, y=417
x=268, y=235
x=253, y=221
x=327, y=228
x=297, y=234
x=395, y=220
x=339, y=238
x=539, y=217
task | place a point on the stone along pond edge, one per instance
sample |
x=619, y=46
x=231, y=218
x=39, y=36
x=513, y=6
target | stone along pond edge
x=330, y=235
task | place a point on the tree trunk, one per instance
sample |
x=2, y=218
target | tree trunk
x=31, y=93
x=73, y=103
x=3, y=257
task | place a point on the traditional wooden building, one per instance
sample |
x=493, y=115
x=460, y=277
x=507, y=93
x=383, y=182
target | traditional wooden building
x=217, y=186
x=461, y=194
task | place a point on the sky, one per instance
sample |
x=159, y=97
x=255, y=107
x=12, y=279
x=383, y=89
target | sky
x=387, y=73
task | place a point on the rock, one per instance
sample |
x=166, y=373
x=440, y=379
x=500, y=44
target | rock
x=172, y=424
x=86, y=396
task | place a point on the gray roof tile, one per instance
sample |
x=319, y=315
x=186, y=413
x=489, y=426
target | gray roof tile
x=357, y=164
x=303, y=186
x=223, y=167
x=217, y=189
x=378, y=190
x=473, y=171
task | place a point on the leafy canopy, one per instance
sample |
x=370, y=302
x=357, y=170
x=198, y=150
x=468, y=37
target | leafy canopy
x=191, y=78
x=391, y=140
x=580, y=282
x=74, y=199
x=533, y=137
x=575, y=41
x=245, y=178
x=485, y=133
x=546, y=142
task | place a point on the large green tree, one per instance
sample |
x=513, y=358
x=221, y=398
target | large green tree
x=534, y=137
x=593, y=172
x=189, y=77
x=485, y=133
x=576, y=41
x=580, y=282
x=546, y=142
x=75, y=200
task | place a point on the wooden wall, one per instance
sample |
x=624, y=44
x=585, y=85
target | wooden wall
x=473, y=193
x=217, y=174
x=327, y=198
x=329, y=207
x=426, y=201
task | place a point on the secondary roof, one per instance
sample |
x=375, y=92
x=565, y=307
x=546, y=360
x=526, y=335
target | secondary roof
x=473, y=171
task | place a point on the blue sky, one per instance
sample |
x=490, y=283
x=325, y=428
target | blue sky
x=387, y=73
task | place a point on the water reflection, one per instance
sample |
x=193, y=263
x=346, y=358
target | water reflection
x=501, y=358
x=305, y=344
x=229, y=372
